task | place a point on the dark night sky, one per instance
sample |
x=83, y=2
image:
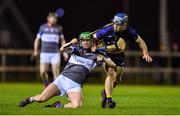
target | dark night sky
x=79, y=15
x=83, y=15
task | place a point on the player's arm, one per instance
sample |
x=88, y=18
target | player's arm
x=65, y=46
x=119, y=46
x=95, y=36
x=36, y=46
x=114, y=48
x=62, y=39
x=63, y=42
x=106, y=60
x=144, y=49
x=37, y=41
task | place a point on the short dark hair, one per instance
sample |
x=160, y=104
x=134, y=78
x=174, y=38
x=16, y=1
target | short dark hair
x=52, y=14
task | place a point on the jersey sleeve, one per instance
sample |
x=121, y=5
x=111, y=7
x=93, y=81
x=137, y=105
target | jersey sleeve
x=132, y=34
x=102, y=33
x=73, y=49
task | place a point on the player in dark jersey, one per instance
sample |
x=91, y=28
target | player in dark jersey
x=82, y=60
x=50, y=36
x=115, y=38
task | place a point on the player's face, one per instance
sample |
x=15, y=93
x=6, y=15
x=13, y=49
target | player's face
x=120, y=27
x=86, y=44
x=52, y=20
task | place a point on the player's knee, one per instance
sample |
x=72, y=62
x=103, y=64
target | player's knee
x=43, y=73
x=111, y=72
x=77, y=105
x=43, y=99
x=55, y=74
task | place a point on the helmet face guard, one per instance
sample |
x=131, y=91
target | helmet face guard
x=85, y=36
x=120, y=18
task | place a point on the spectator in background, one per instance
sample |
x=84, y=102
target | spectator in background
x=50, y=35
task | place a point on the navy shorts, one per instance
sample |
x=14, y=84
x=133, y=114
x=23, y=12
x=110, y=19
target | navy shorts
x=118, y=59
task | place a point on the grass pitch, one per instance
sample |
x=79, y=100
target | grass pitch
x=148, y=100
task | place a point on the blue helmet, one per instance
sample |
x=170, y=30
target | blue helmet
x=120, y=18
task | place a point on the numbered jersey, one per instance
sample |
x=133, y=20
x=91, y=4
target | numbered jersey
x=49, y=36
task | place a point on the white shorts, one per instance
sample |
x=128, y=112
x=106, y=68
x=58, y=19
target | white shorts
x=66, y=85
x=50, y=58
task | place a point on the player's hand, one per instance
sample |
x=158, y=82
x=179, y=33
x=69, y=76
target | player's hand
x=100, y=57
x=74, y=41
x=147, y=58
x=61, y=49
x=35, y=53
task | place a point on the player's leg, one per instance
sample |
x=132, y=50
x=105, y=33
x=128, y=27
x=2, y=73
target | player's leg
x=111, y=73
x=113, y=78
x=55, y=70
x=107, y=92
x=44, y=74
x=44, y=66
x=51, y=91
x=73, y=91
x=118, y=75
x=75, y=98
x=55, y=65
x=109, y=81
x=103, y=93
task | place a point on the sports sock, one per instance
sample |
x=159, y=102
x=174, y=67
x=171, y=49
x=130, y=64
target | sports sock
x=59, y=105
x=109, y=99
x=31, y=99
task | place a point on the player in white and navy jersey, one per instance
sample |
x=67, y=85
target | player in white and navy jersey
x=51, y=36
x=83, y=59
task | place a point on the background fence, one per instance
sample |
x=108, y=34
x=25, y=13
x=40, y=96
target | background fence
x=134, y=65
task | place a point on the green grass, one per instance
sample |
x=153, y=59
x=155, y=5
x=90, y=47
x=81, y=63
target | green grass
x=130, y=100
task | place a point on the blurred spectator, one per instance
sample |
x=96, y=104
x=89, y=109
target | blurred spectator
x=49, y=37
